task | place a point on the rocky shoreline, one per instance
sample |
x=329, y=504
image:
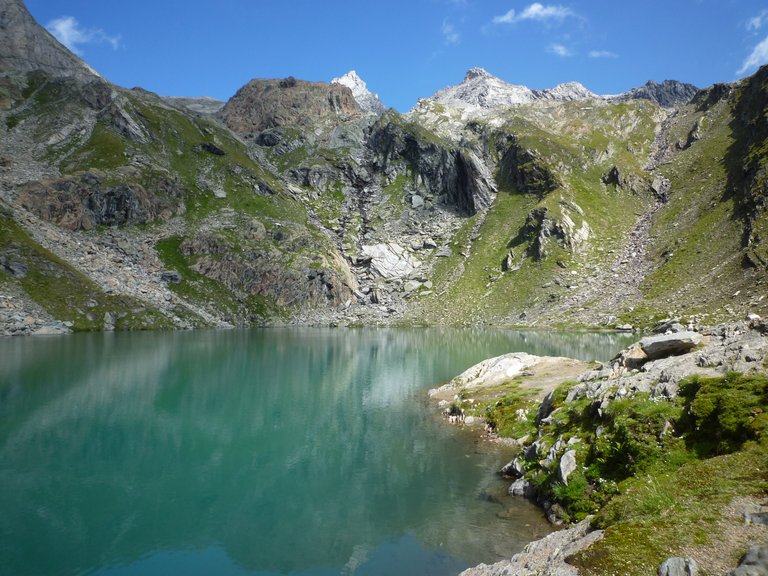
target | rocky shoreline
x=651, y=368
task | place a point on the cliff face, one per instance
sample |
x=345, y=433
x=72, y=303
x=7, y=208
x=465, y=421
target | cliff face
x=263, y=104
x=26, y=46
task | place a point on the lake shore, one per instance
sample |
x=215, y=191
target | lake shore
x=653, y=369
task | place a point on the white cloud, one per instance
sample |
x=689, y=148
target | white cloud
x=537, y=12
x=449, y=33
x=602, y=54
x=68, y=31
x=757, y=22
x=758, y=57
x=507, y=18
x=559, y=50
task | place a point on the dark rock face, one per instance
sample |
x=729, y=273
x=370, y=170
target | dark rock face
x=263, y=104
x=667, y=94
x=27, y=46
x=84, y=202
x=12, y=266
x=262, y=273
x=524, y=170
x=455, y=174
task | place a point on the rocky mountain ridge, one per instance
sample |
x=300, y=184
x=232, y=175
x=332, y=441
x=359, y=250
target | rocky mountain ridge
x=482, y=91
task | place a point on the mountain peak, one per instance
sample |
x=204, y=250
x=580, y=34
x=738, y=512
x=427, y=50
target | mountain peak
x=666, y=94
x=481, y=90
x=568, y=91
x=367, y=100
x=27, y=46
x=477, y=72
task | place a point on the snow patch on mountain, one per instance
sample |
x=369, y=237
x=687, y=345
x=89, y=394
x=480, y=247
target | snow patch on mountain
x=367, y=100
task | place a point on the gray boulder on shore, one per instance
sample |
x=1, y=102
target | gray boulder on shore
x=755, y=563
x=679, y=567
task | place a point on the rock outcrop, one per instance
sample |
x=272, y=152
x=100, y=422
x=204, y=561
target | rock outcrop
x=456, y=175
x=565, y=226
x=545, y=373
x=201, y=105
x=263, y=104
x=86, y=201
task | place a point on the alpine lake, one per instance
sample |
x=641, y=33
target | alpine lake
x=295, y=451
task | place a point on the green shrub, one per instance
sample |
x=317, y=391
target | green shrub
x=721, y=414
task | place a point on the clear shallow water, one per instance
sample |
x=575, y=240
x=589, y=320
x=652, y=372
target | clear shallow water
x=296, y=451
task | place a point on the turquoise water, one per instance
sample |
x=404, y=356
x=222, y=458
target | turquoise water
x=280, y=451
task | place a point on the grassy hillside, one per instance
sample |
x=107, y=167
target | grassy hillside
x=572, y=148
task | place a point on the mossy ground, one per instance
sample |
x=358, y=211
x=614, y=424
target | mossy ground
x=657, y=474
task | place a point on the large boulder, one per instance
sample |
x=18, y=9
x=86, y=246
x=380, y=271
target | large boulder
x=656, y=347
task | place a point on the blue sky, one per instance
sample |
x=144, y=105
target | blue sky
x=406, y=50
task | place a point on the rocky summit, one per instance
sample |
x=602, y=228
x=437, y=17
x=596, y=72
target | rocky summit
x=308, y=202
x=367, y=100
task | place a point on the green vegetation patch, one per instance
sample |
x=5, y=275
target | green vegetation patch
x=644, y=437
x=659, y=515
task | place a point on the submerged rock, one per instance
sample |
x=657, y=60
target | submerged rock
x=545, y=557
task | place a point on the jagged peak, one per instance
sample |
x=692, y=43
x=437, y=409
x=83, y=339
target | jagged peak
x=351, y=77
x=367, y=100
x=477, y=72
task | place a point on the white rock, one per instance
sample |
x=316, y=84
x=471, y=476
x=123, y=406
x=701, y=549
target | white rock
x=390, y=260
